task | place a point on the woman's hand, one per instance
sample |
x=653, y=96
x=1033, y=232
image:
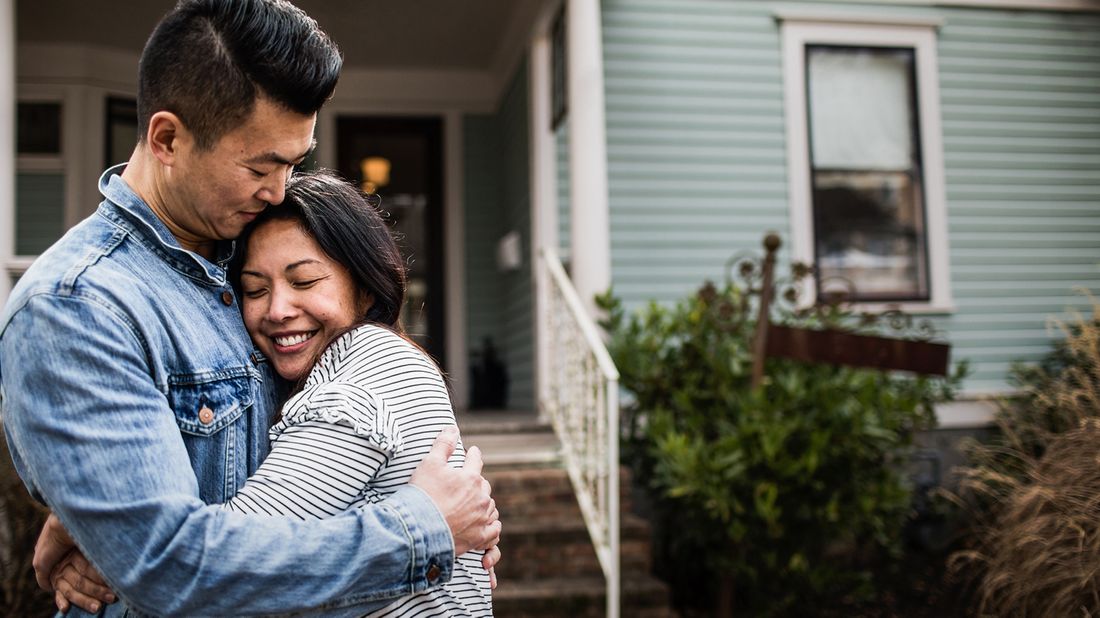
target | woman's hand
x=76, y=582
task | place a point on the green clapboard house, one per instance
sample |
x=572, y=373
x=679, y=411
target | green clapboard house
x=941, y=156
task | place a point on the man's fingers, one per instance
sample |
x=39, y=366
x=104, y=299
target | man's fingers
x=444, y=446
x=473, y=460
x=53, y=544
x=95, y=585
x=77, y=581
x=77, y=598
x=492, y=579
x=61, y=602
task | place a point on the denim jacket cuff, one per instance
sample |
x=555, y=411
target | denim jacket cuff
x=433, y=547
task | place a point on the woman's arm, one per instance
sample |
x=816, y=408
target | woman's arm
x=316, y=469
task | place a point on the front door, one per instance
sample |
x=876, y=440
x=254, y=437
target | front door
x=401, y=159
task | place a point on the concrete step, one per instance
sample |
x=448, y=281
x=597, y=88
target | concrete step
x=533, y=449
x=643, y=597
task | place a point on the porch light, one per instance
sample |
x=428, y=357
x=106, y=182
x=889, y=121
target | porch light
x=376, y=173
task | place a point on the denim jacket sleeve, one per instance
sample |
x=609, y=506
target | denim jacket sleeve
x=95, y=438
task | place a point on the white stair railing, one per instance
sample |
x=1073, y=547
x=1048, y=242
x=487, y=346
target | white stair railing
x=581, y=398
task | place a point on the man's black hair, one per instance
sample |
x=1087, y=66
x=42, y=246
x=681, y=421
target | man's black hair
x=208, y=61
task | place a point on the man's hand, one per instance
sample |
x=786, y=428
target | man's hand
x=75, y=581
x=54, y=543
x=461, y=495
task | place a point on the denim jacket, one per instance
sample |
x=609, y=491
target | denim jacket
x=133, y=400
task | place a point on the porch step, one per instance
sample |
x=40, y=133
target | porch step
x=643, y=597
x=550, y=567
x=535, y=449
x=548, y=547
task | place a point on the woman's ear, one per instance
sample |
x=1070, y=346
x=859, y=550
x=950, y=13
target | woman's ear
x=167, y=137
x=366, y=301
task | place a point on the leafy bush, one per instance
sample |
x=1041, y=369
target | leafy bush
x=1034, y=491
x=793, y=493
x=20, y=520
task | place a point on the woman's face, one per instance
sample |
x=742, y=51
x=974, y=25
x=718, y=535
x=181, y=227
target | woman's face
x=295, y=297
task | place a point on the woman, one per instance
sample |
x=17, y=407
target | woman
x=322, y=286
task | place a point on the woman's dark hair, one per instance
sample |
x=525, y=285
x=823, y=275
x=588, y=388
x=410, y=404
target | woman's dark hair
x=208, y=60
x=350, y=231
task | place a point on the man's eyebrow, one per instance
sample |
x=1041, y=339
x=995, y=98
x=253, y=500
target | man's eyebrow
x=274, y=157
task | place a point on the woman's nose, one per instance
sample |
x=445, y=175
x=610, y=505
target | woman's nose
x=282, y=307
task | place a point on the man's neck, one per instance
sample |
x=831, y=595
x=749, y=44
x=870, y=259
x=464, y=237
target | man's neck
x=146, y=179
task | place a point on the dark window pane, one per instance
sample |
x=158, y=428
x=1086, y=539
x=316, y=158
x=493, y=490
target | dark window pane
x=39, y=211
x=121, y=130
x=39, y=128
x=870, y=234
x=558, y=71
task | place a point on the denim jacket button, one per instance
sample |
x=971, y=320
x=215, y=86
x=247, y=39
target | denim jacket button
x=433, y=573
x=227, y=298
x=206, y=415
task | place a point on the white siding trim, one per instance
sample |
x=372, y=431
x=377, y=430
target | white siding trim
x=796, y=34
x=590, y=219
x=965, y=414
x=1085, y=6
x=7, y=143
x=544, y=202
x=851, y=18
x=455, y=266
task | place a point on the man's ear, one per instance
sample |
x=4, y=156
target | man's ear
x=167, y=137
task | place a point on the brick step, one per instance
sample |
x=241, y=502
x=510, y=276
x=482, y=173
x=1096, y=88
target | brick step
x=540, y=548
x=643, y=597
x=542, y=491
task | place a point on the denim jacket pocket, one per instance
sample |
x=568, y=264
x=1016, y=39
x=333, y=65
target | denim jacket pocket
x=205, y=403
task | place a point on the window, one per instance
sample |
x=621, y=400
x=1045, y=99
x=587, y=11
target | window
x=40, y=178
x=865, y=161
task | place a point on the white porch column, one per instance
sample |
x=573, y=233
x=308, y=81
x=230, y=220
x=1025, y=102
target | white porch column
x=590, y=254
x=544, y=202
x=7, y=142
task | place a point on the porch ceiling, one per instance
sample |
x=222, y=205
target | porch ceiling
x=373, y=34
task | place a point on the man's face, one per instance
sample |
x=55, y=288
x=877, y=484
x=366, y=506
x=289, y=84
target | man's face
x=214, y=193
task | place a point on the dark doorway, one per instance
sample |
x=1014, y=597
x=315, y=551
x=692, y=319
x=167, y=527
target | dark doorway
x=401, y=159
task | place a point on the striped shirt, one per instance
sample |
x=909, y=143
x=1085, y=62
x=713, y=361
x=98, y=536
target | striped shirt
x=367, y=414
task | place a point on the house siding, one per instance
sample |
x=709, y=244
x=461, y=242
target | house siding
x=697, y=158
x=497, y=198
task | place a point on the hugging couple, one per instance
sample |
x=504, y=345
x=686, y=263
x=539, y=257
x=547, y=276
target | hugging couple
x=207, y=382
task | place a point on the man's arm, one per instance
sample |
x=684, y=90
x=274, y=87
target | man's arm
x=97, y=439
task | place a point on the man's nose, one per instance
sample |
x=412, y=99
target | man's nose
x=275, y=190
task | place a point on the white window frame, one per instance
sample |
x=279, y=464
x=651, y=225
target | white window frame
x=919, y=34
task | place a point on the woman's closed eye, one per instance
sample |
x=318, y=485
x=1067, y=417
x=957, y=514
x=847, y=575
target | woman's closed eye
x=304, y=284
x=254, y=292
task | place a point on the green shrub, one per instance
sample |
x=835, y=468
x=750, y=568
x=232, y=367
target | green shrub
x=793, y=493
x=20, y=520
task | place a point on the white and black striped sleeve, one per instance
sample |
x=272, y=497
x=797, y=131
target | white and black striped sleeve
x=316, y=469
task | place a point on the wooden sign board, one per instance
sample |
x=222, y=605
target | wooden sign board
x=841, y=348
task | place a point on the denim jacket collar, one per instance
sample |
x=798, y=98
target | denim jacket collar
x=125, y=208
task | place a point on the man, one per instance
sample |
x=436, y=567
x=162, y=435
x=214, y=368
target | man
x=132, y=396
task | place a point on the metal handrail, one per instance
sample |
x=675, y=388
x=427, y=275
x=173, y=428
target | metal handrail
x=582, y=399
